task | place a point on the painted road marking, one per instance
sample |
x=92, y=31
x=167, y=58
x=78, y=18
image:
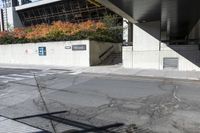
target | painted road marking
x=10, y=77
x=23, y=76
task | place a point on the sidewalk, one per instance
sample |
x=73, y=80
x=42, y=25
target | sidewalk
x=119, y=70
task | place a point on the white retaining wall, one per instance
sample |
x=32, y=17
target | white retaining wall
x=188, y=57
x=57, y=53
x=127, y=56
x=148, y=53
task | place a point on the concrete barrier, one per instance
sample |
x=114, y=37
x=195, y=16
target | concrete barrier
x=82, y=53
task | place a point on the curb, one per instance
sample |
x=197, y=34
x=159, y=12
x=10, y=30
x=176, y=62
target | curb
x=104, y=73
x=147, y=77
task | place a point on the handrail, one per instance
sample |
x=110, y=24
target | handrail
x=106, y=51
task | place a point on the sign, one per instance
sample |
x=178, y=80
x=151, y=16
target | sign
x=42, y=51
x=78, y=47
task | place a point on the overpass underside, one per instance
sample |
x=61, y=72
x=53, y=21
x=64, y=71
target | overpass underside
x=177, y=18
x=159, y=34
x=20, y=13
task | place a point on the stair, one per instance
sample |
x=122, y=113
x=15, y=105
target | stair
x=113, y=59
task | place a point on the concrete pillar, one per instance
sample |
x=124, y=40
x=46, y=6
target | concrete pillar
x=127, y=31
x=127, y=56
x=1, y=20
x=20, y=2
x=10, y=19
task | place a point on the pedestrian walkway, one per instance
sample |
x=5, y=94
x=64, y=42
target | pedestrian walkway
x=119, y=70
x=114, y=70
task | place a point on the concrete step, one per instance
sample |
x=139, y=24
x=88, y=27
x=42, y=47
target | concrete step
x=114, y=58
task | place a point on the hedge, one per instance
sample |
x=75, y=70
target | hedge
x=63, y=31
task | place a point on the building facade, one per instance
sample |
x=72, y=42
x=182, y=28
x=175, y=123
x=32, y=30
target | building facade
x=158, y=34
x=22, y=13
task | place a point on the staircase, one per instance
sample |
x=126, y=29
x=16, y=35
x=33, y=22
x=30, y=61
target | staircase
x=113, y=59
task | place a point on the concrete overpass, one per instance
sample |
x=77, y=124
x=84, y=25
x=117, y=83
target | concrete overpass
x=164, y=34
x=177, y=17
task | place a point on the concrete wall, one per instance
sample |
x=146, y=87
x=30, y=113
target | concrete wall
x=188, y=56
x=58, y=53
x=146, y=44
x=127, y=56
x=147, y=52
x=146, y=36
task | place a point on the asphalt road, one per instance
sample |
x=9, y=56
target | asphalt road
x=160, y=105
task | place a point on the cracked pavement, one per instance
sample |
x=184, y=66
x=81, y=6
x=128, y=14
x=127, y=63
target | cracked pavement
x=159, y=105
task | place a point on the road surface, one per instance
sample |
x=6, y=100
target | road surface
x=159, y=105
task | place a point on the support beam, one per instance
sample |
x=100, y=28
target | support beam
x=117, y=10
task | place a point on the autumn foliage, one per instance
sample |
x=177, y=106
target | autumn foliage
x=59, y=31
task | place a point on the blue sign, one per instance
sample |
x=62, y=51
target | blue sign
x=42, y=51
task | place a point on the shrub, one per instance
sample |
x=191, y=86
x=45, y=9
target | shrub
x=62, y=31
x=6, y=38
x=19, y=33
x=37, y=32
